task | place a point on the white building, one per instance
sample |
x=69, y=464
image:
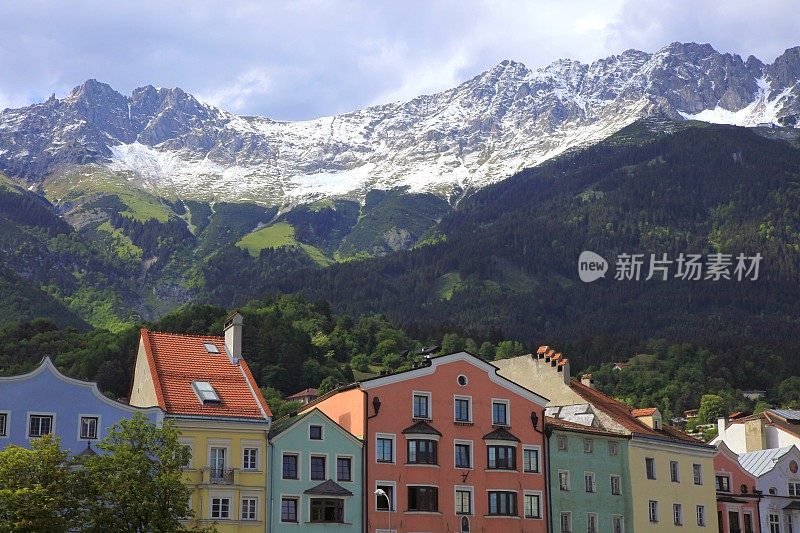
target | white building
x=774, y=428
x=779, y=480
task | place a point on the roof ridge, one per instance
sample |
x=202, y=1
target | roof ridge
x=186, y=335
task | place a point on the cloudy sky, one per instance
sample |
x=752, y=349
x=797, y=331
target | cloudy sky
x=308, y=58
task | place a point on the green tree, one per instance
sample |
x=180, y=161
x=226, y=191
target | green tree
x=712, y=406
x=38, y=490
x=761, y=406
x=508, y=349
x=137, y=485
x=451, y=343
x=789, y=391
x=487, y=351
x=327, y=385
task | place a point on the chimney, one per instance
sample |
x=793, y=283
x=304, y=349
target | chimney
x=755, y=438
x=587, y=380
x=233, y=337
x=722, y=427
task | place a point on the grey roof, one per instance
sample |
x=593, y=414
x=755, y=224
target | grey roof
x=421, y=428
x=328, y=488
x=501, y=433
x=760, y=462
x=789, y=414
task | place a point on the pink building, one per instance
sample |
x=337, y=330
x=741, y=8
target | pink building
x=737, y=500
x=451, y=444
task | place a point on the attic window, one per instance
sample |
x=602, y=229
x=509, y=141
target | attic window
x=210, y=347
x=206, y=392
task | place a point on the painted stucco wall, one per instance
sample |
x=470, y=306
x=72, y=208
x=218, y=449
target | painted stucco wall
x=346, y=408
x=201, y=436
x=441, y=381
x=734, y=437
x=540, y=376
x=143, y=391
x=775, y=486
x=726, y=465
x=666, y=492
x=335, y=443
x=603, y=465
x=45, y=391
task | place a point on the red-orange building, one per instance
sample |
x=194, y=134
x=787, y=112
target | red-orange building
x=453, y=445
x=737, y=499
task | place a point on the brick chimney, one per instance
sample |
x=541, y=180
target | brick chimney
x=233, y=337
x=587, y=380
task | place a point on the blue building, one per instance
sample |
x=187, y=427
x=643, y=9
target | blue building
x=46, y=401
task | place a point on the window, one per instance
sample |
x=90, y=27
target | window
x=421, y=405
x=566, y=522
x=249, y=458
x=650, y=467
x=462, y=380
x=533, y=505
x=3, y=424
x=563, y=479
x=674, y=472
x=502, y=503
x=562, y=444
x=530, y=460
x=218, y=463
x=422, y=452
x=211, y=348
x=588, y=479
x=205, y=391
x=463, y=455
x=315, y=432
x=317, y=467
x=462, y=410
x=500, y=413
x=423, y=498
x=464, y=524
x=618, y=523
x=382, y=502
x=327, y=510
x=344, y=469
x=290, y=466
x=701, y=515
x=289, y=510
x=384, y=450
x=464, y=501
x=613, y=448
x=733, y=522
x=748, y=523
x=89, y=427
x=652, y=510
x=774, y=523
x=40, y=425
x=677, y=514
x=220, y=507
x=591, y=523
x=588, y=445
x=794, y=488
x=249, y=508
x=616, y=488
x=501, y=457
x=697, y=471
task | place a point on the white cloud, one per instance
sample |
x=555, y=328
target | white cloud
x=235, y=97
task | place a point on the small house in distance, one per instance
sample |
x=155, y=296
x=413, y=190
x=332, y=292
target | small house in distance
x=304, y=396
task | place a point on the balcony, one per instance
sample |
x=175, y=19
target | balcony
x=218, y=476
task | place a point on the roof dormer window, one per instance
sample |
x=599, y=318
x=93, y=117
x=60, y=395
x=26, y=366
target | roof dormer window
x=211, y=347
x=205, y=391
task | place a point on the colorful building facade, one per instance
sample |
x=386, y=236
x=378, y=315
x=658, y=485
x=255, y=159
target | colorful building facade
x=737, y=494
x=449, y=446
x=203, y=384
x=590, y=489
x=316, y=482
x=773, y=428
x=778, y=473
x=45, y=401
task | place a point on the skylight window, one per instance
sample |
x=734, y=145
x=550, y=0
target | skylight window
x=210, y=347
x=206, y=392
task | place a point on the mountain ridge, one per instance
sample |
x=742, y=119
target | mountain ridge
x=505, y=119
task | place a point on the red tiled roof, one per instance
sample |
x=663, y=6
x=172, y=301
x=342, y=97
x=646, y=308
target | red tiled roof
x=622, y=414
x=176, y=361
x=304, y=393
x=643, y=412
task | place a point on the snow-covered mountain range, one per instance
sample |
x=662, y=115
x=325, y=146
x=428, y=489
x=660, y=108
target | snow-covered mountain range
x=479, y=132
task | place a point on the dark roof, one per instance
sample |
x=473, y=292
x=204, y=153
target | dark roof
x=794, y=506
x=729, y=499
x=421, y=428
x=501, y=433
x=303, y=393
x=88, y=452
x=328, y=488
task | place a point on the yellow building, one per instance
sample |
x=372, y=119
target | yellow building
x=204, y=386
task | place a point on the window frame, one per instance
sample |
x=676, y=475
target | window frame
x=588, y=446
x=393, y=439
x=507, y=403
x=697, y=474
x=256, y=458
x=428, y=405
x=434, y=489
x=349, y=459
x=507, y=449
x=221, y=499
x=700, y=514
x=650, y=473
x=613, y=448
x=512, y=497
x=538, y=452
x=81, y=418
x=392, y=485
x=5, y=428
x=562, y=439
x=296, y=500
x=311, y=457
x=616, y=490
x=653, y=511
x=312, y=427
x=532, y=494
x=567, y=485
x=41, y=414
x=621, y=519
x=470, y=453
x=469, y=489
x=242, y=517
x=566, y=527
x=589, y=528
x=677, y=514
x=324, y=500
x=296, y=456
x=674, y=472
x=590, y=482
x=461, y=398
x=719, y=486
x=431, y=453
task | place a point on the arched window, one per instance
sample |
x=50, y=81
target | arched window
x=464, y=524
